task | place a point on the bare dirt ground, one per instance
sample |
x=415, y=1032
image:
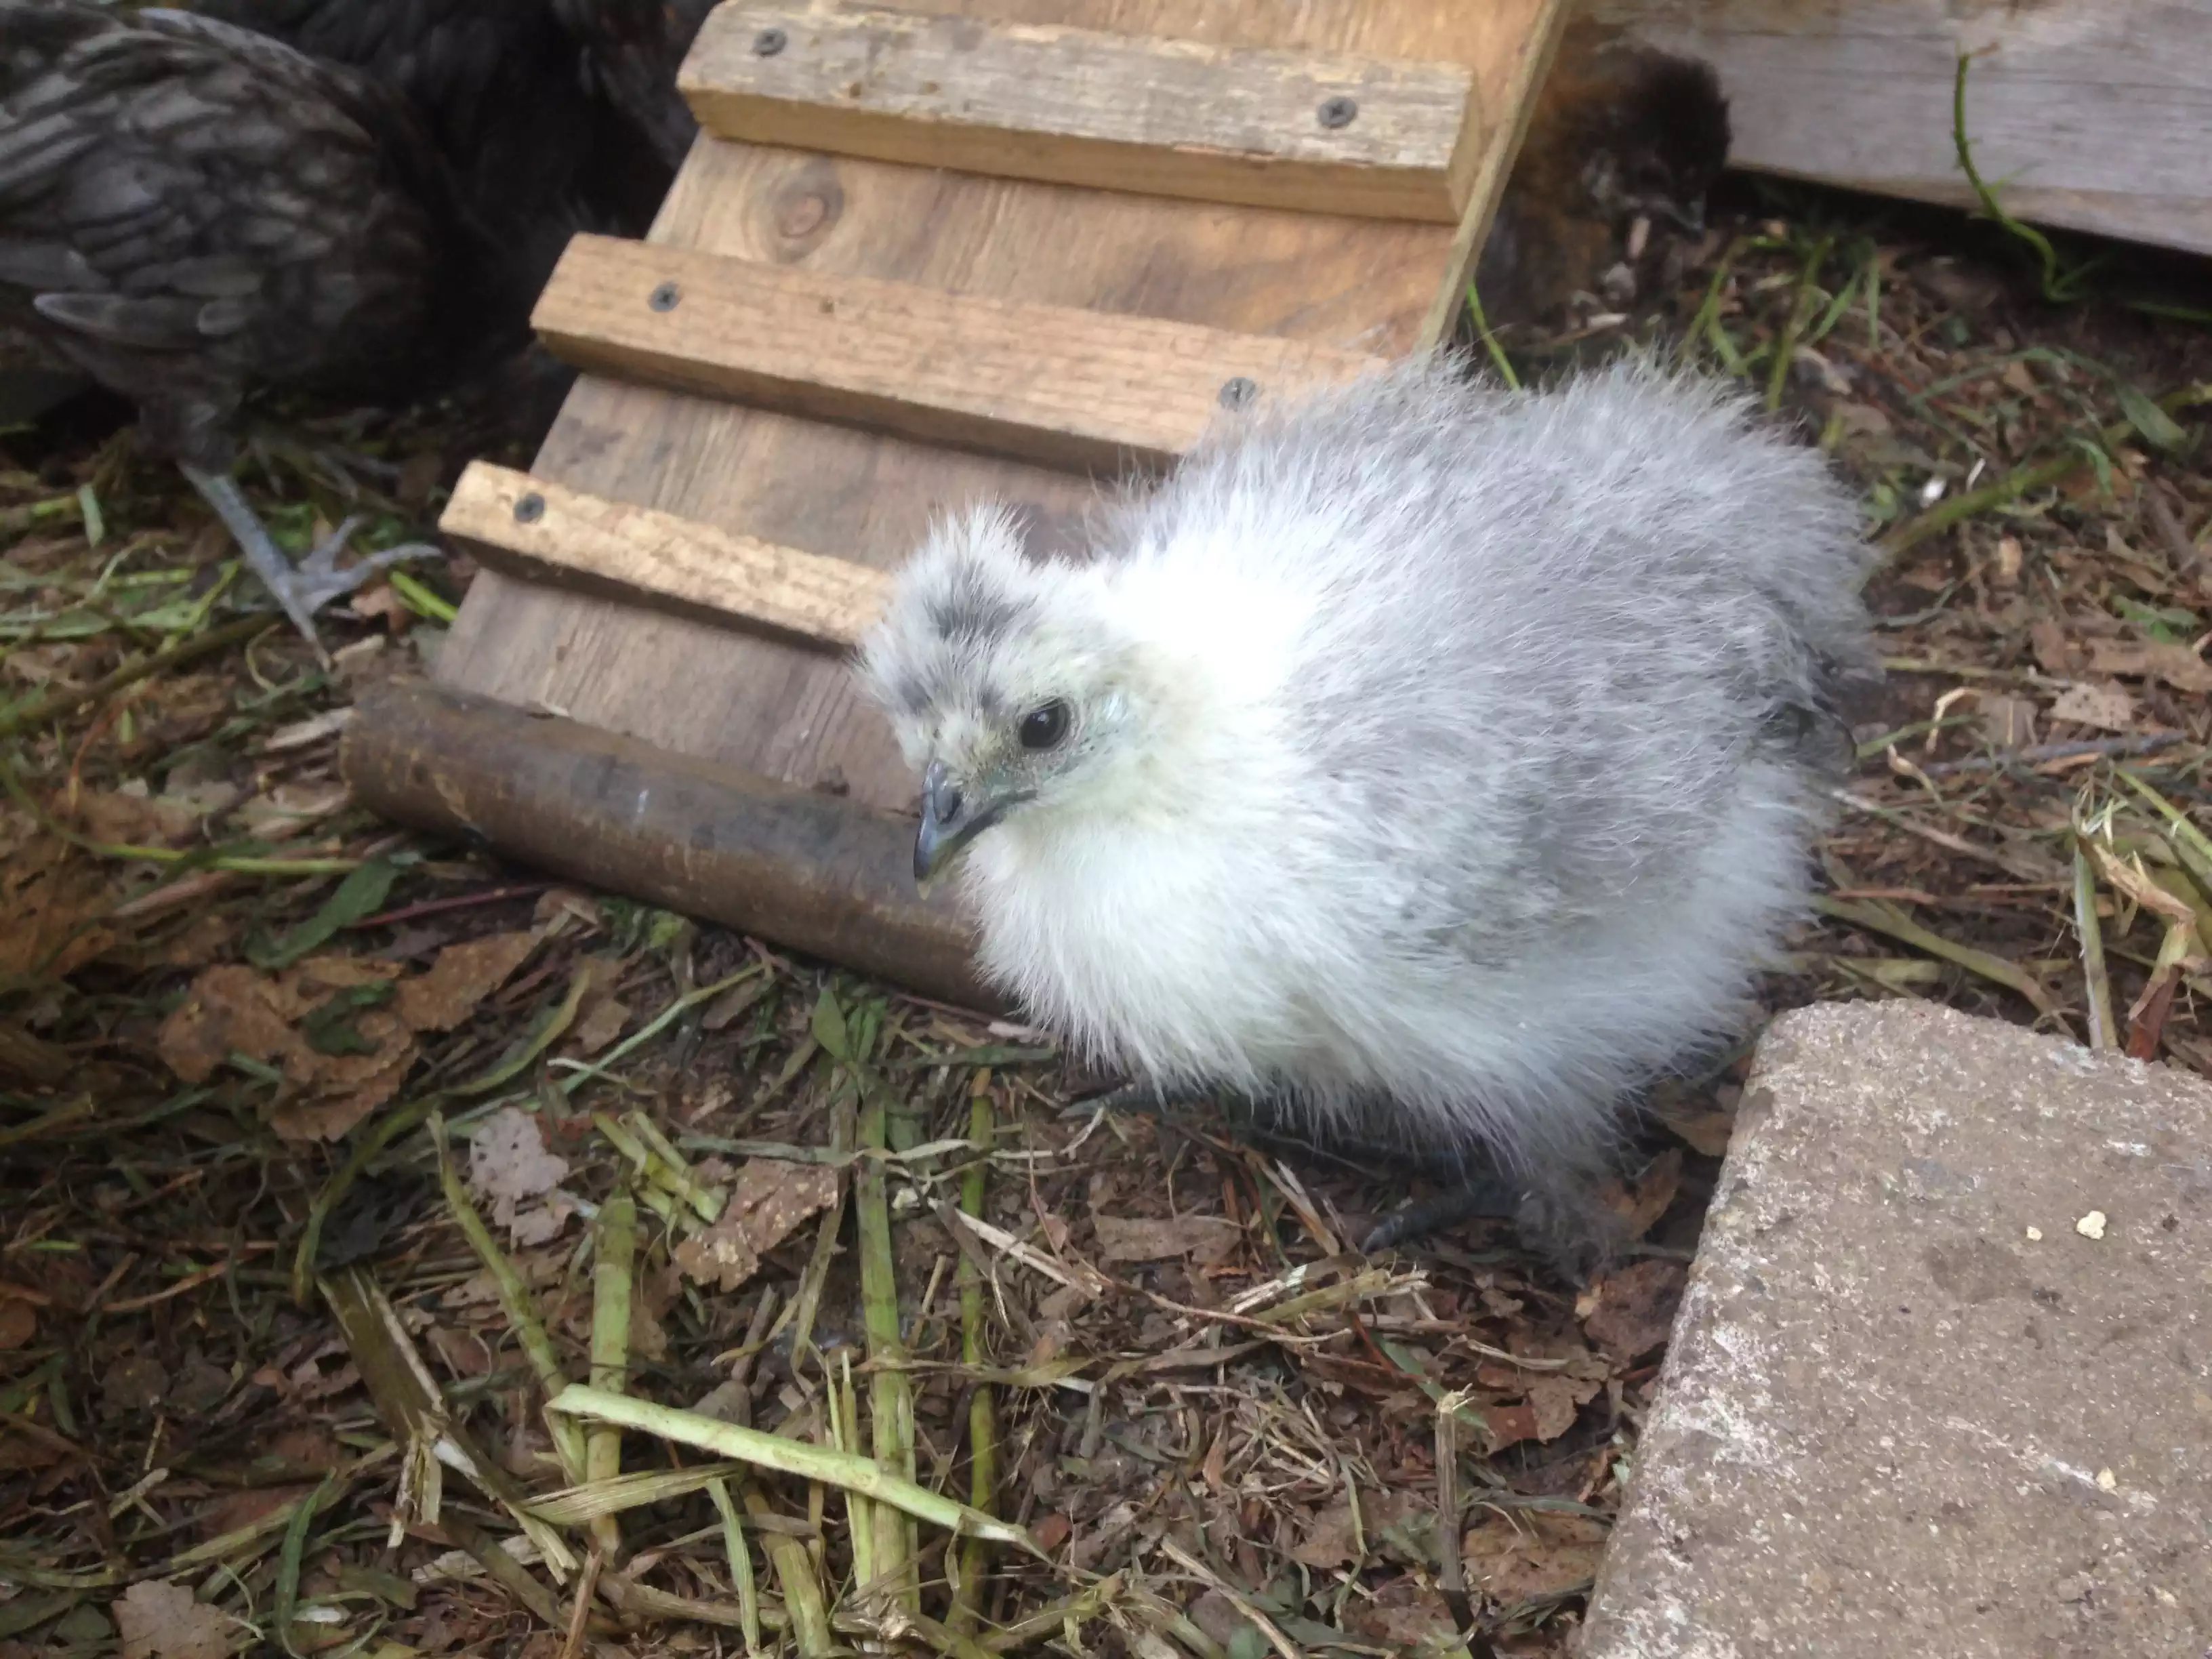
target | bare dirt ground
x=323, y=1147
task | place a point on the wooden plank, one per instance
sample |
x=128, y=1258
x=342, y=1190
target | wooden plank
x=2092, y=115
x=1313, y=132
x=754, y=706
x=762, y=706
x=1049, y=384
x=804, y=869
x=534, y=526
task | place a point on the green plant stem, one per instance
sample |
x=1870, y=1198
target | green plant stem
x=57, y=704
x=891, y=1393
x=2019, y=482
x=2092, y=934
x=966, y=1611
x=614, y=1257
x=1498, y=360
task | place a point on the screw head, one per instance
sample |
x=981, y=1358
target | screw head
x=664, y=297
x=529, y=509
x=1238, y=392
x=1338, y=112
x=768, y=42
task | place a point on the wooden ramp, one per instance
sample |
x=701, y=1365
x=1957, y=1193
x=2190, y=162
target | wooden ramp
x=913, y=259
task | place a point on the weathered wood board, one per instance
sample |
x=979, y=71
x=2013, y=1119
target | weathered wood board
x=1056, y=385
x=613, y=683
x=536, y=528
x=1297, y=130
x=2092, y=115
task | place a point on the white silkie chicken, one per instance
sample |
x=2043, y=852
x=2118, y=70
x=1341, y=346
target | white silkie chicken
x=1420, y=762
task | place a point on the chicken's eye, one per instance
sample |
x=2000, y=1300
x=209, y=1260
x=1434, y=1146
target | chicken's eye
x=1043, y=727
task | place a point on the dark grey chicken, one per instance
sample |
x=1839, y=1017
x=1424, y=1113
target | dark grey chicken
x=631, y=51
x=189, y=211
x=1620, y=131
x=554, y=115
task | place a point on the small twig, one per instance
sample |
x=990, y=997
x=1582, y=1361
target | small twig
x=439, y=907
x=2149, y=742
x=579, y=1611
x=2187, y=556
x=1927, y=832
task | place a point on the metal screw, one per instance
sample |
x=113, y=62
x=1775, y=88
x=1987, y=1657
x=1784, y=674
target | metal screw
x=529, y=509
x=1236, y=393
x=768, y=42
x=1338, y=111
x=666, y=296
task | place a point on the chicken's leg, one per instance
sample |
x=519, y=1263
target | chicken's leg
x=301, y=589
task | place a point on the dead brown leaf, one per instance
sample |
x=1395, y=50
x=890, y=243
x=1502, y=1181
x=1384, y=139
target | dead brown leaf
x=768, y=1200
x=1706, y=1132
x=349, y=1088
x=231, y=1009
x=462, y=977
x=290, y=808
x=509, y=1166
x=1641, y=1206
x=1554, y=1401
x=200, y=940
x=51, y=903
x=1404, y=1615
x=1631, y=1311
x=165, y=1621
x=120, y=818
x=242, y=1509
x=19, y=1323
x=303, y=734
x=1328, y=1541
x=2156, y=659
x=1530, y=1554
x=1206, y=1239
x=383, y=600
x=600, y=1025
x=2047, y=639
x=2107, y=707
x=2008, y=722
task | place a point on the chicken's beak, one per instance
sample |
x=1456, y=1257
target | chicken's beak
x=949, y=823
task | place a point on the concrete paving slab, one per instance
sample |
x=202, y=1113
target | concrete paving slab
x=1941, y=1381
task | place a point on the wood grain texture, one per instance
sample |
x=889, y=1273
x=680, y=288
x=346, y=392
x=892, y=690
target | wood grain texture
x=534, y=527
x=806, y=870
x=2093, y=115
x=759, y=706
x=1056, y=385
x=1094, y=108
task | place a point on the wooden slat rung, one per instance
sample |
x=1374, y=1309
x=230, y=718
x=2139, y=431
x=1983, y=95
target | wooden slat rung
x=1317, y=133
x=534, y=527
x=1053, y=385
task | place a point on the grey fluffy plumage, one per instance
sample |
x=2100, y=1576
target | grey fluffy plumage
x=1435, y=762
